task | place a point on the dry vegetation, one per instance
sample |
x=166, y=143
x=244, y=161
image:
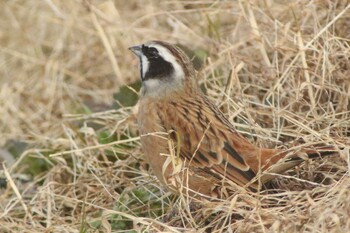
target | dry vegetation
x=280, y=71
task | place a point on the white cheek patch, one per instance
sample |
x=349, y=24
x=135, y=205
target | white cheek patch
x=144, y=66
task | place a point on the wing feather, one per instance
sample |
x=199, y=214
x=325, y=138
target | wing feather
x=208, y=140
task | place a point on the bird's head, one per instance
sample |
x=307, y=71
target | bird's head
x=164, y=68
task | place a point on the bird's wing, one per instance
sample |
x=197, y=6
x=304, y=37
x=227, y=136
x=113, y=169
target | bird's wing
x=207, y=140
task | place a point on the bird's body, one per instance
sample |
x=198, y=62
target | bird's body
x=188, y=142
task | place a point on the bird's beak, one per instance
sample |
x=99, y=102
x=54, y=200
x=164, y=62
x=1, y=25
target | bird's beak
x=136, y=49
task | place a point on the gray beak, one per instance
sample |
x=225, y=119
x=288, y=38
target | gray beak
x=136, y=49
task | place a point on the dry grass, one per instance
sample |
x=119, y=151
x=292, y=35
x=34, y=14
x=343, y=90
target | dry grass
x=280, y=70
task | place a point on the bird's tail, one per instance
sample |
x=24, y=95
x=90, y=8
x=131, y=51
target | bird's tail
x=319, y=152
x=277, y=161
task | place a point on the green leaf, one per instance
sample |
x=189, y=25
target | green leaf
x=127, y=95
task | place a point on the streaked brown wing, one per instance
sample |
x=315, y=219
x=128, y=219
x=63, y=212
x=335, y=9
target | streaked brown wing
x=208, y=140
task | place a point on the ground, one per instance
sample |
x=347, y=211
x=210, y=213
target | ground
x=72, y=159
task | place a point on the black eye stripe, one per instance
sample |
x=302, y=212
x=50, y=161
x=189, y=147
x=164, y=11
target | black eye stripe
x=158, y=68
x=150, y=52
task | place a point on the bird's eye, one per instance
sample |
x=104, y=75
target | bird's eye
x=152, y=52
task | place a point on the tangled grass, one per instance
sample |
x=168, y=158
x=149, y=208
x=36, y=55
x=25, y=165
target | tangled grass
x=279, y=70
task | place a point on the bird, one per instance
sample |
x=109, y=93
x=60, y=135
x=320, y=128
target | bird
x=192, y=148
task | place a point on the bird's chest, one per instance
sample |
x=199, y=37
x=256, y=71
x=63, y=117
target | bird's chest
x=148, y=117
x=154, y=136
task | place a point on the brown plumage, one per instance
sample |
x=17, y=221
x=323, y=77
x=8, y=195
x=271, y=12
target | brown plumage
x=188, y=142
